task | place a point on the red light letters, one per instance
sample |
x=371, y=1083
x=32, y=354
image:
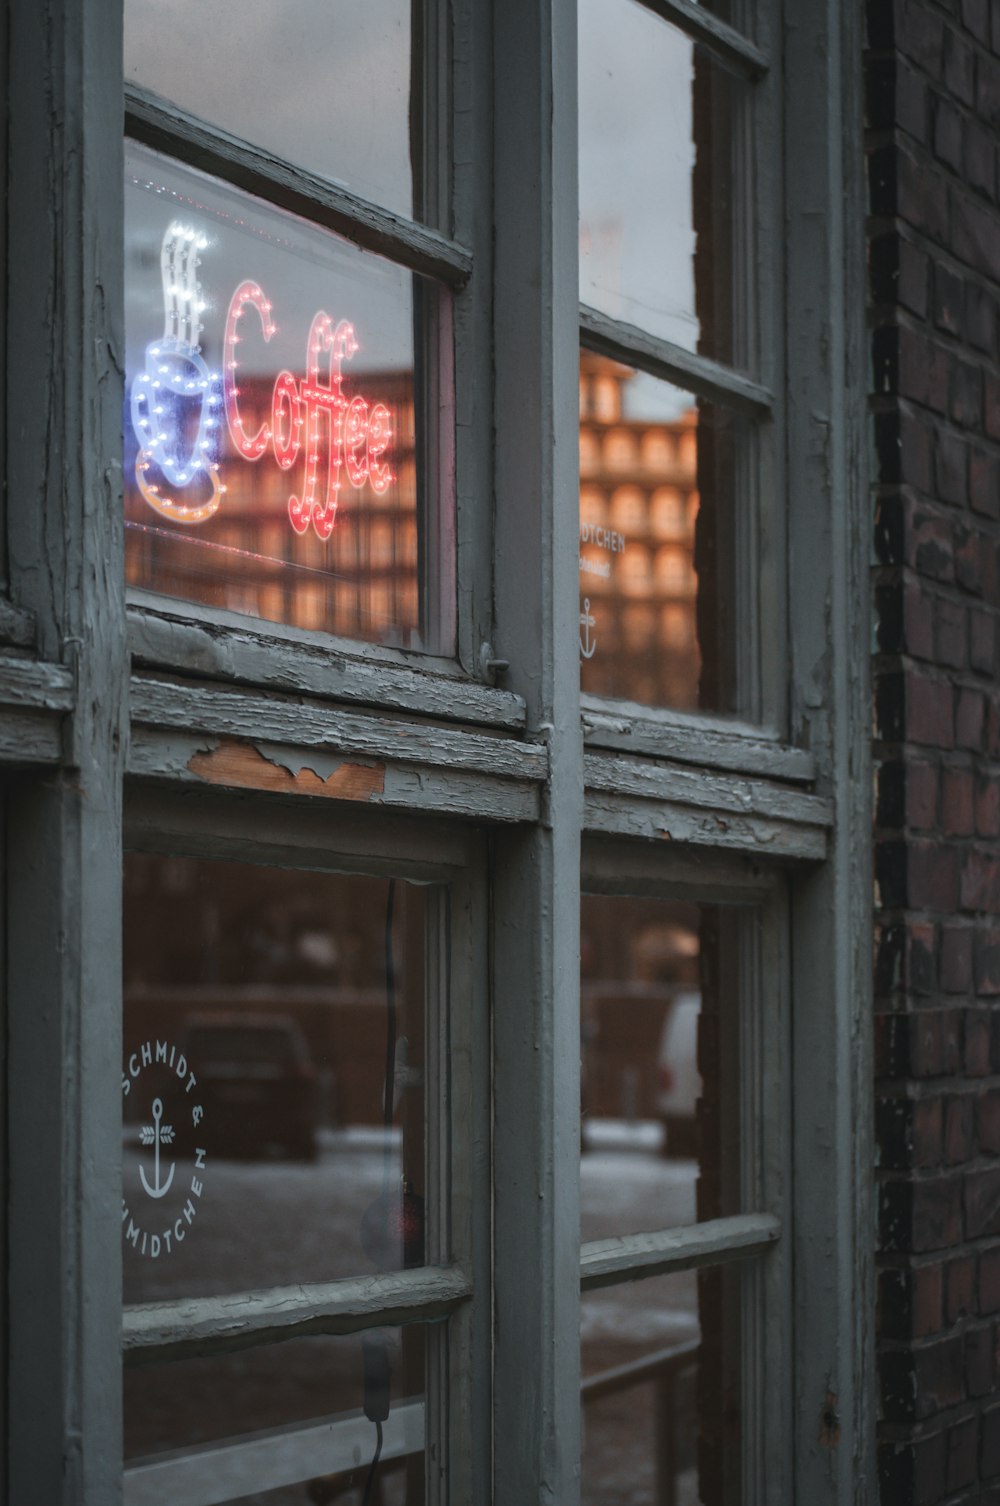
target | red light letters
x=309, y=412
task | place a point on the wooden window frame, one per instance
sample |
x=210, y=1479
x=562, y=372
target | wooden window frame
x=98, y=698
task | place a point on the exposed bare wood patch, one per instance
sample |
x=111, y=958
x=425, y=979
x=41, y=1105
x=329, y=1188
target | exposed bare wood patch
x=244, y=765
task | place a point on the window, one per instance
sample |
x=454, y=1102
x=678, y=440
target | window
x=493, y=740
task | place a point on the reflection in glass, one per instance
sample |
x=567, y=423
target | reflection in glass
x=661, y=477
x=662, y=1391
x=270, y=434
x=660, y=126
x=262, y=1019
x=660, y=1064
x=327, y=87
x=283, y=1425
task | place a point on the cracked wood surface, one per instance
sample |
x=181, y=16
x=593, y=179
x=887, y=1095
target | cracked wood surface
x=185, y=643
x=155, y=1331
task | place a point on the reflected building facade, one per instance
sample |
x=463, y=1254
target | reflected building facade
x=639, y=504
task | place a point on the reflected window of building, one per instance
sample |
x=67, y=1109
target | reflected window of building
x=628, y=511
x=619, y=450
x=667, y=513
x=590, y=452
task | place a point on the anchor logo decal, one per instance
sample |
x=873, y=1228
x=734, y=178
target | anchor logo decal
x=588, y=646
x=157, y=1134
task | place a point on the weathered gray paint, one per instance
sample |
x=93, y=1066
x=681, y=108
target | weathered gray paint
x=65, y=553
x=228, y=712
x=630, y=1257
x=16, y=625
x=159, y=1331
x=833, y=1296
x=666, y=801
x=700, y=741
x=697, y=374
x=177, y=637
x=536, y=907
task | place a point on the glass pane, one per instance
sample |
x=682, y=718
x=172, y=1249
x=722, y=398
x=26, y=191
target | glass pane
x=263, y=1017
x=660, y=1012
x=661, y=125
x=664, y=485
x=325, y=86
x=284, y=1425
x=662, y=1393
x=271, y=444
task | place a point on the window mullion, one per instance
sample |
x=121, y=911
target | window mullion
x=63, y=971
x=536, y=903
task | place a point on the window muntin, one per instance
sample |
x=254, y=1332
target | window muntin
x=273, y=449
x=327, y=89
x=661, y=128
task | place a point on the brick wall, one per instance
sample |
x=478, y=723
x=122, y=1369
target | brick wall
x=933, y=119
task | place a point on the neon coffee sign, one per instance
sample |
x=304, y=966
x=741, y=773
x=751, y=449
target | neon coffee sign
x=304, y=411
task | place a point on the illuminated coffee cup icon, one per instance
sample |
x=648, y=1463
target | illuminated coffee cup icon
x=176, y=395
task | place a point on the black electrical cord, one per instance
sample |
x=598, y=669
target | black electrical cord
x=388, y=1091
x=377, y=1360
x=374, y=1466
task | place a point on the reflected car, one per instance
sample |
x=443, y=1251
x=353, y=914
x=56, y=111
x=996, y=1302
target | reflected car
x=678, y=1075
x=258, y=1083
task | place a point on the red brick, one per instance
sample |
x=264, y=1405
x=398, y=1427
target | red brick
x=970, y=714
x=963, y=1453
x=987, y=947
x=980, y=308
x=918, y=624
x=991, y=400
x=917, y=1217
x=957, y=802
x=948, y=141
x=911, y=1301
x=959, y=1142
x=977, y=1042
x=989, y=1281
x=989, y=1456
x=982, y=1205
x=974, y=236
x=929, y=541
x=950, y=634
x=982, y=642
x=979, y=1360
x=988, y=1122
x=984, y=482
x=951, y=467
x=987, y=807
x=921, y=795
x=926, y=1131
x=932, y=876
x=970, y=560
x=929, y=711
x=980, y=886
x=960, y=1289
x=956, y=959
